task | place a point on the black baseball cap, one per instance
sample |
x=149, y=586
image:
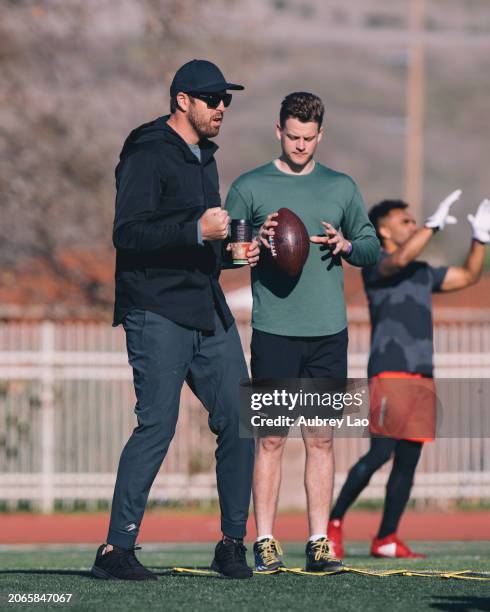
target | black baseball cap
x=200, y=76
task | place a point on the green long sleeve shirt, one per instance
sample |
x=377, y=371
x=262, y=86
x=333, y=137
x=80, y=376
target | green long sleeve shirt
x=312, y=304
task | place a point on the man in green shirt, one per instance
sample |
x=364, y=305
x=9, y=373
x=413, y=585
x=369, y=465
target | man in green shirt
x=300, y=325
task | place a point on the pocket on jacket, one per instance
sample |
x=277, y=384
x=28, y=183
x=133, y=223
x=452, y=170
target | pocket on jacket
x=172, y=277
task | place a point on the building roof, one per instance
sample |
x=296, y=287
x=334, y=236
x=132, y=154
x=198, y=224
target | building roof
x=80, y=284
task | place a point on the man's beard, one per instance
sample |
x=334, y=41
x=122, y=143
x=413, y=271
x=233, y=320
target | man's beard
x=204, y=129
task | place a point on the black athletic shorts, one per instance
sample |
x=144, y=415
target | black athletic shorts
x=283, y=357
x=276, y=356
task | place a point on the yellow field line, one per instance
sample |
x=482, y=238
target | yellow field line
x=459, y=575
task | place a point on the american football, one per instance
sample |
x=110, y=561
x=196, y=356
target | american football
x=290, y=244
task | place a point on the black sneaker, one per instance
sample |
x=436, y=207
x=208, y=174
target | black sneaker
x=230, y=559
x=267, y=553
x=319, y=557
x=120, y=564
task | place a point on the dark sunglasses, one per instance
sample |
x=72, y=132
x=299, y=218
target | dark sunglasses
x=213, y=100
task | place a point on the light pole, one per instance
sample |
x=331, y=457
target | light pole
x=415, y=94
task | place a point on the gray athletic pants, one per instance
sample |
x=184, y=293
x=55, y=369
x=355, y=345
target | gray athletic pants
x=163, y=355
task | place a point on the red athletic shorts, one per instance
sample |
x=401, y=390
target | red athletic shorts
x=402, y=406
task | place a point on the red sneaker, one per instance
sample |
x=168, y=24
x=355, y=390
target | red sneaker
x=390, y=547
x=334, y=534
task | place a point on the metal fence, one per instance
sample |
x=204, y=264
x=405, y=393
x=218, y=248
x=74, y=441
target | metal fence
x=66, y=399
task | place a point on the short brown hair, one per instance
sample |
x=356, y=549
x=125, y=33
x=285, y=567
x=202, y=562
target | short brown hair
x=173, y=104
x=303, y=106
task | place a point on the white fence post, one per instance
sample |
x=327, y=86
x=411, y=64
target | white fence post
x=47, y=420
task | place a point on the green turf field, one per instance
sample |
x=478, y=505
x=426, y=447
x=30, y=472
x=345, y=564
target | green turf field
x=65, y=570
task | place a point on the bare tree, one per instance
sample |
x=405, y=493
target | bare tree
x=76, y=76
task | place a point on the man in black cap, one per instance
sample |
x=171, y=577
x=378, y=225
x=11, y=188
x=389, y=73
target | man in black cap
x=168, y=233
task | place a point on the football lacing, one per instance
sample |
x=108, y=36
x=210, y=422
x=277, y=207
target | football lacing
x=273, y=248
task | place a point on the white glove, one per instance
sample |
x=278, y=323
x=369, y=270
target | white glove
x=442, y=217
x=480, y=222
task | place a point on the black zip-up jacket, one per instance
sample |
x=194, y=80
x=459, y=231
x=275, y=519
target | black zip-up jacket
x=162, y=191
